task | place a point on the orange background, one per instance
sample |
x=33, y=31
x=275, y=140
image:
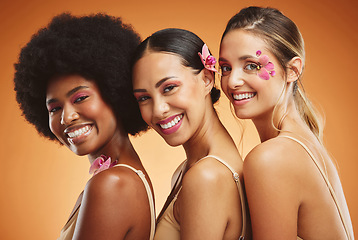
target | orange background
x=40, y=181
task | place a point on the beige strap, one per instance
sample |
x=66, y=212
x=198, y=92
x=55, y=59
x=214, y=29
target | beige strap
x=325, y=179
x=178, y=176
x=150, y=196
x=241, y=192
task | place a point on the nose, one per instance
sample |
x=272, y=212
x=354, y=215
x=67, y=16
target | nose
x=160, y=107
x=235, y=80
x=69, y=114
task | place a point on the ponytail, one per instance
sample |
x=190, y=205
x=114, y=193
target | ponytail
x=308, y=112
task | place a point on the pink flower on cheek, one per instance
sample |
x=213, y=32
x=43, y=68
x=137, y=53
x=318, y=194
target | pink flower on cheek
x=265, y=67
x=101, y=163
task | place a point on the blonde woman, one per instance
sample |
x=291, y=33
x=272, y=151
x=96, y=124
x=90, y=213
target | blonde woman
x=293, y=188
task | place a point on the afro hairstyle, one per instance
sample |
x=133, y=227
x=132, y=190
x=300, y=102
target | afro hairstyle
x=97, y=47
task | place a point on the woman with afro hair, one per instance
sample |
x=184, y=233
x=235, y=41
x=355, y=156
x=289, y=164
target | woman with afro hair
x=73, y=83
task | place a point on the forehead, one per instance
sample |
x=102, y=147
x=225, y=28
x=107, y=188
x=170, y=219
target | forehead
x=241, y=42
x=61, y=85
x=156, y=66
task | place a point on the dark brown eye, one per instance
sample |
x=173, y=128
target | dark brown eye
x=169, y=88
x=225, y=70
x=80, y=99
x=142, y=98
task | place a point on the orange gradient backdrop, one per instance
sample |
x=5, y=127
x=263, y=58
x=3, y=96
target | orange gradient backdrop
x=40, y=180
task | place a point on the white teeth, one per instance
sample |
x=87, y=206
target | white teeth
x=172, y=123
x=78, y=132
x=242, y=96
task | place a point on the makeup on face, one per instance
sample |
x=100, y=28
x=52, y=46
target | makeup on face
x=165, y=87
x=249, y=78
x=169, y=95
x=78, y=116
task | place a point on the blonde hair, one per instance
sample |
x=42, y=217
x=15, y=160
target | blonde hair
x=285, y=41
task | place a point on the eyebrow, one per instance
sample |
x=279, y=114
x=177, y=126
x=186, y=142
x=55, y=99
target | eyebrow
x=157, y=85
x=222, y=59
x=246, y=57
x=242, y=58
x=69, y=93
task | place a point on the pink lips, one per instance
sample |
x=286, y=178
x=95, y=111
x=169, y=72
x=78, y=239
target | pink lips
x=171, y=129
x=240, y=102
x=78, y=137
x=243, y=99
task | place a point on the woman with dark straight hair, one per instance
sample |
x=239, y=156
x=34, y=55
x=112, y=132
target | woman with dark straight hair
x=173, y=82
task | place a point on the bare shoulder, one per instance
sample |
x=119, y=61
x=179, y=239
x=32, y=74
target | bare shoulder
x=119, y=186
x=111, y=198
x=277, y=154
x=208, y=173
x=208, y=189
x=121, y=179
x=273, y=176
x=272, y=168
x=278, y=163
x=208, y=179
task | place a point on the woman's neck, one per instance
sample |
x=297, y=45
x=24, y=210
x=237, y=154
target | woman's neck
x=203, y=141
x=268, y=126
x=119, y=148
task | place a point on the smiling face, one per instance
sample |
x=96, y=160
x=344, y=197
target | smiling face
x=253, y=93
x=171, y=97
x=78, y=116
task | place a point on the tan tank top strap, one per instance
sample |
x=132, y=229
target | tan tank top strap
x=176, y=195
x=150, y=196
x=333, y=194
x=176, y=179
x=241, y=193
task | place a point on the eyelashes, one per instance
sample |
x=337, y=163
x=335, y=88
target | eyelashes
x=77, y=98
x=52, y=108
x=141, y=98
x=248, y=67
x=165, y=90
x=225, y=69
x=169, y=88
x=252, y=66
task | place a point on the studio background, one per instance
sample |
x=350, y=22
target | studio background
x=40, y=180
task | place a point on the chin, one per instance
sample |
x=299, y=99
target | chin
x=242, y=115
x=173, y=142
x=78, y=150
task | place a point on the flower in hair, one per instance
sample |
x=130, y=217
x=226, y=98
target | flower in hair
x=265, y=68
x=101, y=163
x=208, y=60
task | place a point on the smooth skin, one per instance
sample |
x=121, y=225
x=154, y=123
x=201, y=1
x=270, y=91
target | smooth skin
x=286, y=194
x=208, y=205
x=114, y=203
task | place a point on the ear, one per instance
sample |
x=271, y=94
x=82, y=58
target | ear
x=294, y=71
x=208, y=80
